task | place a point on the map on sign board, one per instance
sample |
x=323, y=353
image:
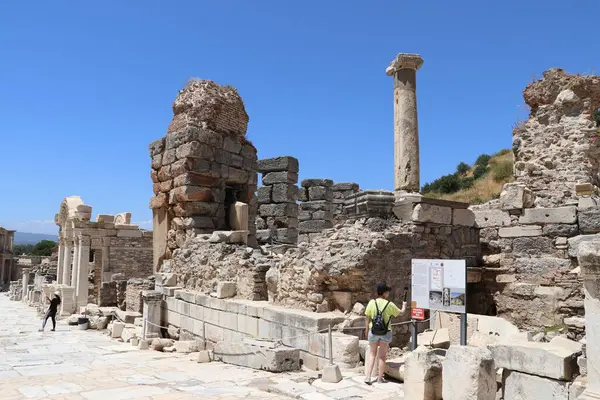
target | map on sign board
x=439, y=285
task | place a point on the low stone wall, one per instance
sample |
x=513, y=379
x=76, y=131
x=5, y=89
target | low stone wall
x=341, y=191
x=234, y=320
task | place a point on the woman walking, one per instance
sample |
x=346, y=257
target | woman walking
x=51, y=313
x=379, y=312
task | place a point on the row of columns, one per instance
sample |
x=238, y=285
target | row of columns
x=73, y=266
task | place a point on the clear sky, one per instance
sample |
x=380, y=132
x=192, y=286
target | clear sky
x=86, y=86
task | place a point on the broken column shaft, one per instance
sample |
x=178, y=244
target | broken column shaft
x=406, y=131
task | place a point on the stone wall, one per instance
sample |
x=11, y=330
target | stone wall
x=198, y=315
x=113, y=294
x=341, y=191
x=202, y=167
x=131, y=256
x=133, y=294
x=277, y=218
x=316, y=208
x=558, y=146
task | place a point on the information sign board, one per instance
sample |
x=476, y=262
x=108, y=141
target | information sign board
x=439, y=285
x=417, y=313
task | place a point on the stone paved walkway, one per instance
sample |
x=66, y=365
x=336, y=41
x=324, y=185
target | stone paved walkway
x=71, y=364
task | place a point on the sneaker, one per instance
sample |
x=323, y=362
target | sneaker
x=52, y=330
x=368, y=381
x=381, y=380
x=41, y=330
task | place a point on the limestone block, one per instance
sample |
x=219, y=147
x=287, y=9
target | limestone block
x=284, y=193
x=165, y=279
x=277, y=164
x=187, y=346
x=432, y=213
x=578, y=387
x=558, y=215
x=423, y=375
x=316, y=193
x=395, y=367
x=258, y=357
x=226, y=290
x=331, y=374
x=307, y=183
x=568, y=344
x=159, y=344
x=129, y=233
x=314, y=226
x=117, y=329
x=516, y=196
x=496, y=326
x=491, y=218
x=520, y=386
x=278, y=210
x=518, y=231
x=264, y=194
x=437, y=339
x=542, y=359
x=589, y=220
x=575, y=242
x=469, y=374
x=463, y=217
x=205, y=356
x=342, y=300
x=280, y=177
x=586, y=202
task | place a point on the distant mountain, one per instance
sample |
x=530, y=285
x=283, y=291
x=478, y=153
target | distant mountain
x=33, y=238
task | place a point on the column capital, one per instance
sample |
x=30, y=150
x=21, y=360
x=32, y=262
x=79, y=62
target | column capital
x=84, y=240
x=404, y=61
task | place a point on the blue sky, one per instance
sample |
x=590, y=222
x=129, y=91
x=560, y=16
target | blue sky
x=86, y=86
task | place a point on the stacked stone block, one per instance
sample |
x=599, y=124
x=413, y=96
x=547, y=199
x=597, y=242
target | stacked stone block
x=133, y=295
x=277, y=218
x=202, y=166
x=341, y=191
x=316, y=207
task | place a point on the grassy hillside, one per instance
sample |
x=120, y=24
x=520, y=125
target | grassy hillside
x=475, y=183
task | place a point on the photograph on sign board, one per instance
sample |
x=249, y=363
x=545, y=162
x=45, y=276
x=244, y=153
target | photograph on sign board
x=457, y=298
x=446, y=297
x=436, y=282
x=435, y=299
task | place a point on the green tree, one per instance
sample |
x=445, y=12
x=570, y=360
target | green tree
x=466, y=182
x=22, y=249
x=483, y=160
x=462, y=168
x=480, y=170
x=43, y=248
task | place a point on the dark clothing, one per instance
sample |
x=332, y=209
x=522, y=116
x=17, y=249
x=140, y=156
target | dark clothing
x=50, y=314
x=54, y=305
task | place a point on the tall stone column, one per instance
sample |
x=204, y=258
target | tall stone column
x=152, y=313
x=589, y=261
x=406, y=128
x=61, y=256
x=66, y=268
x=83, y=266
x=75, y=268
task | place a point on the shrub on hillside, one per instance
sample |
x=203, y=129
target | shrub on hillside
x=483, y=160
x=480, y=170
x=466, y=183
x=462, y=168
x=502, y=152
x=502, y=171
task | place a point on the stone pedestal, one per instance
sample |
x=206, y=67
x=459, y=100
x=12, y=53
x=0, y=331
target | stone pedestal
x=152, y=313
x=25, y=282
x=406, y=131
x=67, y=300
x=369, y=203
x=589, y=261
x=83, y=264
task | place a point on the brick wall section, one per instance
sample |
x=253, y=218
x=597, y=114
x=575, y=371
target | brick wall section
x=131, y=257
x=107, y=296
x=277, y=219
x=135, y=287
x=316, y=208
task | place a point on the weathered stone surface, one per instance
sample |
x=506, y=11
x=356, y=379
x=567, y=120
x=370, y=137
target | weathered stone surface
x=432, y=213
x=565, y=230
x=316, y=193
x=576, y=242
x=307, y=183
x=280, y=177
x=469, y=374
x=314, y=225
x=278, y=164
x=540, y=359
x=491, y=218
x=559, y=215
x=437, y=339
x=423, y=375
x=278, y=210
x=533, y=246
x=187, y=346
x=226, y=289
x=589, y=220
x=464, y=217
x=279, y=359
x=518, y=231
x=284, y=193
x=518, y=386
x=343, y=186
x=516, y=196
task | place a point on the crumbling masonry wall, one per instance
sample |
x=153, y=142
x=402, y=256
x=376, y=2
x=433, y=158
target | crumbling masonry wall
x=201, y=168
x=530, y=236
x=316, y=208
